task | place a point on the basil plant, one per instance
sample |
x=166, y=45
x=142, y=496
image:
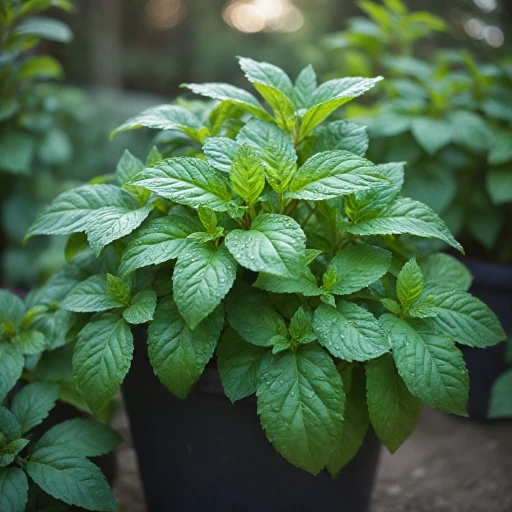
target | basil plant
x=273, y=246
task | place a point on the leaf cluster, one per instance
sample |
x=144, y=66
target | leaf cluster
x=56, y=462
x=269, y=241
x=448, y=117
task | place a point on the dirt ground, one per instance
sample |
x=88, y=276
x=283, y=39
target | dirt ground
x=448, y=465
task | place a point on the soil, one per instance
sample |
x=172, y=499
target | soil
x=448, y=465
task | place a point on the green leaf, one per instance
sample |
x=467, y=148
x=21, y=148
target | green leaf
x=101, y=359
x=223, y=112
x=330, y=96
x=227, y=92
x=45, y=28
x=8, y=108
x=301, y=405
x=431, y=134
x=358, y=266
x=238, y=363
x=257, y=134
x=304, y=88
x=393, y=411
x=405, y=215
x=89, y=438
x=424, y=308
x=445, y=269
x=11, y=366
x=465, y=318
x=9, y=425
x=349, y=332
x=20, y=161
x=208, y=218
x=361, y=204
x=30, y=342
x=54, y=325
x=280, y=343
x=280, y=103
x=305, y=285
x=40, y=67
x=276, y=149
x=430, y=364
x=70, y=478
x=275, y=244
x=128, y=167
x=499, y=185
x=500, y=405
x=273, y=84
x=161, y=240
x=220, y=152
x=141, y=308
x=163, y=117
x=178, y=354
x=187, y=181
x=328, y=298
x=13, y=490
x=341, y=135
x=118, y=289
x=12, y=308
x=154, y=157
x=33, y=403
x=71, y=211
x=280, y=165
x=202, y=237
x=202, y=277
x=112, y=223
x=355, y=424
x=409, y=284
x=265, y=73
x=470, y=130
x=300, y=325
x=330, y=278
x=246, y=175
x=392, y=305
x=252, y=315
x=333, y=174
x=500, y=151
x=76, y=243
x=90, y=296
x=10, y=452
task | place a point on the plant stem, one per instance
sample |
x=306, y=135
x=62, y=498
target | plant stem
x=348, y=241
x=310, y=214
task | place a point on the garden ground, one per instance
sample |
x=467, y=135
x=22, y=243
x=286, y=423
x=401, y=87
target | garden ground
x=448, y=465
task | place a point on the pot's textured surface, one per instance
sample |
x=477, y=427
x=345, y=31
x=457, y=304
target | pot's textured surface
x=203, y=453
x=492, y=283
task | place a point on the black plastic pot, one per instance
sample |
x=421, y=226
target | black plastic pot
x=492, y=283
x=204, y=453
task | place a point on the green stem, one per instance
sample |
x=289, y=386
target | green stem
x=252, y=212
x=348, y=241
x=310, y=214
x=363, y=297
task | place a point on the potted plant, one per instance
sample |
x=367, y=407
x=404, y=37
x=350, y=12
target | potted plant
x=450, y=121
x=272, y=259
x=32, y=443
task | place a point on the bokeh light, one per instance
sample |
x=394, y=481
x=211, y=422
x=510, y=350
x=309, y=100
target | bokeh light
x=164, y=14
x=486, y=5
x=258, y=15
x=494, y=36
